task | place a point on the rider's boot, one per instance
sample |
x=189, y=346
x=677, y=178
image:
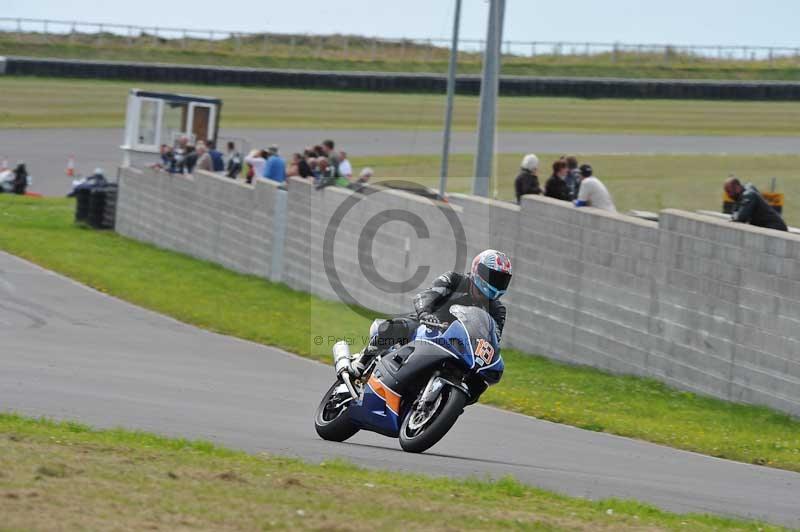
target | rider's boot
x=363, y=360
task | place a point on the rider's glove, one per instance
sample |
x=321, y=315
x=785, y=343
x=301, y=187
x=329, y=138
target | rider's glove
x=429, y=318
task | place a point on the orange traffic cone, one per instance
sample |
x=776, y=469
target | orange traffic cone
x=71, y=166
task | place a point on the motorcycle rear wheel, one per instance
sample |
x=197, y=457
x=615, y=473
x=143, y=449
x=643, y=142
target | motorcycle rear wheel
x=333, y=423
x=417, y=437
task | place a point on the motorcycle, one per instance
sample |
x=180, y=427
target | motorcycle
x=417, y=391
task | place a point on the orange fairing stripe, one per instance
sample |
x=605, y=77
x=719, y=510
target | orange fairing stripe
x=391, y=397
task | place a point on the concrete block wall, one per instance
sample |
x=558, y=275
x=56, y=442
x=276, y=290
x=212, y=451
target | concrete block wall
x=699, y=303
x=733, y=295
x=205, y=215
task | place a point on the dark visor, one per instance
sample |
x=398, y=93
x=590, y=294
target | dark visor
x=498, y=280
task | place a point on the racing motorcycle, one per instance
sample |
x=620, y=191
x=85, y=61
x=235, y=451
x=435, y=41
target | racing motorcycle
x=417, y=391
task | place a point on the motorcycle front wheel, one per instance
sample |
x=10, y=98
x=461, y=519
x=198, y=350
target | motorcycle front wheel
x=332, y=419
x=425, y=425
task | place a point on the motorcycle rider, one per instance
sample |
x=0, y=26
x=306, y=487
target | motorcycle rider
x=482, y=287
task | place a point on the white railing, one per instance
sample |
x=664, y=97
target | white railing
x=351, y=46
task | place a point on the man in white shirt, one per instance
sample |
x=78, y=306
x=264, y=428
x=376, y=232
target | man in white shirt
x=592, y=192
x=345, y=169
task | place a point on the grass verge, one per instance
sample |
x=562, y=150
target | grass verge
x=69, y=476
x=214, y=298
x=636, y=181
x=69, y=103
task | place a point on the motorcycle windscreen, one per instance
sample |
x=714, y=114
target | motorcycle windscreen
x=481, y=330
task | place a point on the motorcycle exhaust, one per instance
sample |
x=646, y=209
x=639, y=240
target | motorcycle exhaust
x=341, y=357
x=341, y=361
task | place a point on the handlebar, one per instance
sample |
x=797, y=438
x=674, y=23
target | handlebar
x=435, y=324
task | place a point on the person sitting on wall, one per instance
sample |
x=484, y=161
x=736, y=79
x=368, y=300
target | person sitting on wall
x=751, y=207
x=556, y=186
x=527, y=182
x=592, y=192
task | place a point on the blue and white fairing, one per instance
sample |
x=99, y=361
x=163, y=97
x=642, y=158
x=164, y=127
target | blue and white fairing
x=472, y=338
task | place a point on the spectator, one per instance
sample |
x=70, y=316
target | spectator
x=234, y=166
x=345, y=169
x=324, y=173
x=527, y=182
x=573, y=177
x=217, y=162
x=180, y=152
x=363, y=179
x=257, y=161
x=20, y=182
x=556, y=186
x=592, y=192
x=203, y=157
x=751, y=207
x=292, y=169
x=302, y=168
x=275, y=168
x=365, y=175
x=166, y=159
x=319, y=167
x=333, y=157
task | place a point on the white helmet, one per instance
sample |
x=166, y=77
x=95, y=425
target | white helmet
x=530, y=162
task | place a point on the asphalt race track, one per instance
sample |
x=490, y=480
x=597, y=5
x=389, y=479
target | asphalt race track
x=73, y=353
x=47, y=150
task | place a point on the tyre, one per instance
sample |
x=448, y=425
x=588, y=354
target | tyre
x=423, y=428
x=332, y=420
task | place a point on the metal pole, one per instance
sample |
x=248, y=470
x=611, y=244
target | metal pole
x=489, y=88
x=451, y=90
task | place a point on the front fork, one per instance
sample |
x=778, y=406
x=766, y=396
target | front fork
x=435, y=386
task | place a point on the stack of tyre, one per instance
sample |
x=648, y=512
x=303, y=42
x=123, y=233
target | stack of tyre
x=97, y=206
x=103, y=206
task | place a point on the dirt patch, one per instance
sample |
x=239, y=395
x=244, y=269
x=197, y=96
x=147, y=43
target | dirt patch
x=231, y=476
x=55, y=471
x=15, y=495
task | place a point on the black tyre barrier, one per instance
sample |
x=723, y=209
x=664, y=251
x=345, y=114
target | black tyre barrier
x=102, y=207
x=82, y=205
x=401, y=82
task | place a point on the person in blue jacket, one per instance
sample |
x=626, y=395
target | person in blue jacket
x=217, y=162
x=275, y=169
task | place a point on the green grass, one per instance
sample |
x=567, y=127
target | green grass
x=69, y=476
x=360, y=55
x=42, y=102
x=217, y=299
x=642, y=182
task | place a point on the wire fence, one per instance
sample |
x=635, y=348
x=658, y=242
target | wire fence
x=357, y=47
